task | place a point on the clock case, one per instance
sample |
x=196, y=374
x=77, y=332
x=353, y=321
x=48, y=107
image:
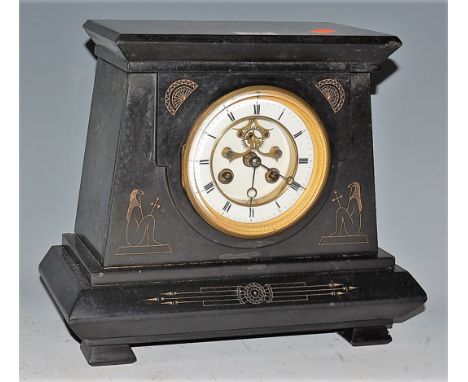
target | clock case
x=153, y=79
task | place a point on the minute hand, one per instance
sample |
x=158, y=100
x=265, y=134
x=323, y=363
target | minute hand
x=289, y=180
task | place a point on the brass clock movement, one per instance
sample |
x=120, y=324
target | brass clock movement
x=228, y=189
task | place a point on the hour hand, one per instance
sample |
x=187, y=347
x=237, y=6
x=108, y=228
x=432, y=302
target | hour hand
x=231, y=155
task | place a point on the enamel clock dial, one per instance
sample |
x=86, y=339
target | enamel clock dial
x=255, y=161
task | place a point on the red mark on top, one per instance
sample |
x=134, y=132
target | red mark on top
x=323, y=31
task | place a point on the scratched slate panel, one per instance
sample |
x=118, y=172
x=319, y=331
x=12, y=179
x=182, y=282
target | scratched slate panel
x=149, y=161
x=349, y=148
x=173, y=131
x=110, y=90
x=135, y=171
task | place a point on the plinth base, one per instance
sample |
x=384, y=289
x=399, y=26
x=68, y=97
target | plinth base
x=359, y=304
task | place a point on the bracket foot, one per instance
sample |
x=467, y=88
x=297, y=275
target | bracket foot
x=376, y=335
x=103, y=355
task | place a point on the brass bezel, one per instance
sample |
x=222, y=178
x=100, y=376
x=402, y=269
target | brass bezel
x=313, y=189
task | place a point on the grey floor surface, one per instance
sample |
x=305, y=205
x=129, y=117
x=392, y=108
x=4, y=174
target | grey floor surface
x=417, y=353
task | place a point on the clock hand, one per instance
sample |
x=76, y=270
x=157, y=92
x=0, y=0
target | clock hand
x=289, y=180
x=252, y=191
x=253, y=176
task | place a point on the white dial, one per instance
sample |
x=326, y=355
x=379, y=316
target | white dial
x=252, y=158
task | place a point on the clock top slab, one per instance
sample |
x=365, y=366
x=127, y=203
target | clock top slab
x=238, y=41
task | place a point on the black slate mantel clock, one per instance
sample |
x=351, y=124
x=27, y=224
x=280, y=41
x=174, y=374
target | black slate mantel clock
x=228, y=189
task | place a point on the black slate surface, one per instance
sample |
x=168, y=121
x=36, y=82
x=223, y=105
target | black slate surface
x=237, y=41
x=129, y=29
